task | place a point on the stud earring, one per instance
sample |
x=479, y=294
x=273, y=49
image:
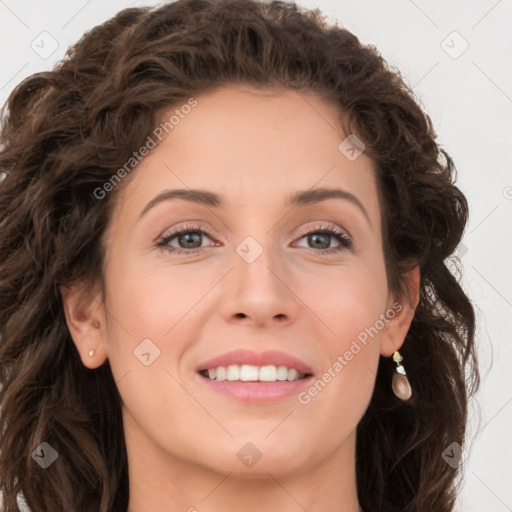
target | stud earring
x=400, y=383
x=91, y=353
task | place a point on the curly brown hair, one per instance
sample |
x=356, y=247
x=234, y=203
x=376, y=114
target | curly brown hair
x=67, y=131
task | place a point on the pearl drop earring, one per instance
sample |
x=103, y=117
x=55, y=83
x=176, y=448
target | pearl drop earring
x=400, y=383
x=91, y=353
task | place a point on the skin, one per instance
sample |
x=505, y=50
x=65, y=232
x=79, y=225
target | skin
x=254, y=148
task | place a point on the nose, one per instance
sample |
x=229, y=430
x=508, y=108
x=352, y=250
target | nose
x=260, y=292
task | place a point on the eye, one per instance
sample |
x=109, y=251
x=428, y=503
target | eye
x=321, y=237
x=185, y=239
x=189, y=239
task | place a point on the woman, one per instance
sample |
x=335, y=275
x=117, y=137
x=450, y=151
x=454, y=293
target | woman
x=224, y=228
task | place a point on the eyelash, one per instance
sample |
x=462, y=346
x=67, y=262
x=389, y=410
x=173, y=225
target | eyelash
x=340, y=236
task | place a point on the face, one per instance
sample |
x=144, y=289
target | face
x=262, y=263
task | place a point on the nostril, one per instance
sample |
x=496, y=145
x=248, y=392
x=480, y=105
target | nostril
x=240, y=315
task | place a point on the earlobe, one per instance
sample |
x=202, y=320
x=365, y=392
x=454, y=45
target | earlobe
x=85, y=319
x=393, y=334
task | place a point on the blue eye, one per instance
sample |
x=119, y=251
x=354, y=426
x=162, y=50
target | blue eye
x=323, y=235
x=190, y=238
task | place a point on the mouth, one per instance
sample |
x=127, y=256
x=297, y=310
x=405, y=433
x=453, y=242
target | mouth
x=255, y=377
x=253, y=373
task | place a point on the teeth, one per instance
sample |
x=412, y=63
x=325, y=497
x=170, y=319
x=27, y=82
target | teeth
x=268, y=373
x=282, y=373
x=249, y=372
x=233, y=372
x=220, y=373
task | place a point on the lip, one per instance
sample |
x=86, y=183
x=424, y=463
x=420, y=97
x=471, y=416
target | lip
x=257, y=392
x=268, y=357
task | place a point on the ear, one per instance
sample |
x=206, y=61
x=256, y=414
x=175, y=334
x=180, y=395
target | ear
x=393, y=334
x=86, y=323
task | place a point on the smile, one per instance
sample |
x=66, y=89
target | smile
x=253, y=373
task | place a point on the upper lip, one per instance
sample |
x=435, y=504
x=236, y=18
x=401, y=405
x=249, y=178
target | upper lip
x=268, y=357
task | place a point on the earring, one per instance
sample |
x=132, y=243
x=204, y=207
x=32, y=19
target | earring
x=400, y=383
x=91, y=353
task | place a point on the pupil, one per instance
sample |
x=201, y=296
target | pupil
x=191, y=238
x=314, y=238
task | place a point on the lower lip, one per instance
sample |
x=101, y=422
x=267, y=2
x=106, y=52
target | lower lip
x=257, y=392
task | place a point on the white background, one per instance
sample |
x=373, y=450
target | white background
x=470, y=101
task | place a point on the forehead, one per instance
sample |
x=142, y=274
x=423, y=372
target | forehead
x=253, y=147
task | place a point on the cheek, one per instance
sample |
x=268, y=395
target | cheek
x=147, y=335
x=150, y=300
x=347, y=299
x=160, y=303
x=349, y=304
x=350, y=347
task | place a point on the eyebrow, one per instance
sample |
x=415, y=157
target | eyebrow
x=299, y=198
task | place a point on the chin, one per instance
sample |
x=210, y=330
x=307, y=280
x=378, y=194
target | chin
x=256, y=457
